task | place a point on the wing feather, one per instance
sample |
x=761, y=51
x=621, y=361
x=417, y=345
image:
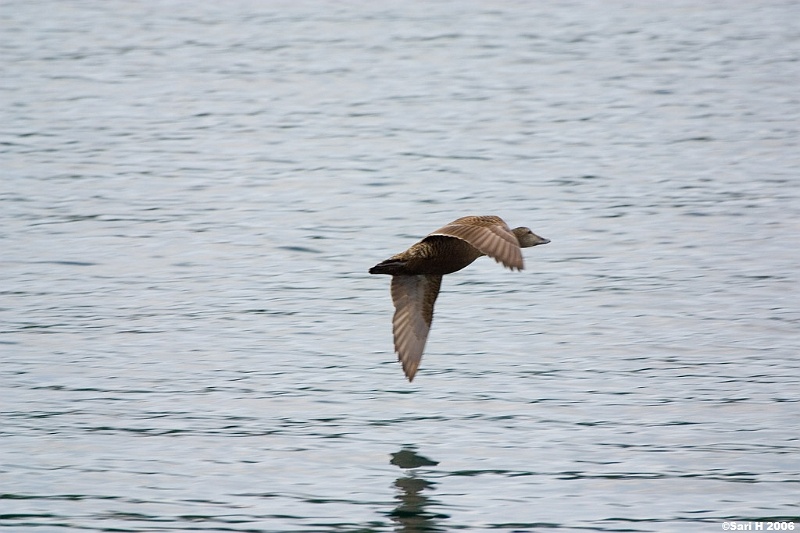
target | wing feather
x=414, y=298
x=490, y=235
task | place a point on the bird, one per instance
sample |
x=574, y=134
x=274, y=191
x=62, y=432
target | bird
x=417, y=274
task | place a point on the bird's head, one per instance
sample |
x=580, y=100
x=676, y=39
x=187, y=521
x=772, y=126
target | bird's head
x=527, y=238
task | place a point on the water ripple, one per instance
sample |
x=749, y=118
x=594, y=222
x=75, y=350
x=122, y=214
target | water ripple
x=192, y=197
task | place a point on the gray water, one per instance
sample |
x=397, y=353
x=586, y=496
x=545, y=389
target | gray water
x=191, y=196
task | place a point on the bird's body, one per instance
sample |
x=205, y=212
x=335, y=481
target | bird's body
x=417, y=274
x=435, y=255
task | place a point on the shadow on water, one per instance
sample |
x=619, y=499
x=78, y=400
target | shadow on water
x=411, y=514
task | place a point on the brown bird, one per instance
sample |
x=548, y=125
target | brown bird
x=417, y=274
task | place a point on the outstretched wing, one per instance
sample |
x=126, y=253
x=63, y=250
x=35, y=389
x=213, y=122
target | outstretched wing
x=413, y=297
x=489, y=234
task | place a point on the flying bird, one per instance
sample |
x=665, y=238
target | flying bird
x=417, y=274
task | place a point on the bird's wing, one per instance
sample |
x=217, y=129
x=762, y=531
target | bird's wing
x=413, y=297
x=490, y=235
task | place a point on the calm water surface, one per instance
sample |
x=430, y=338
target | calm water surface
x=191, y=196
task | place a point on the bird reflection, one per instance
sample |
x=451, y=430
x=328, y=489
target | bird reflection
x=410, y=515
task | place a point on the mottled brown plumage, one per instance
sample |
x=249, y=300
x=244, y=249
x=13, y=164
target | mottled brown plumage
x=417, y=274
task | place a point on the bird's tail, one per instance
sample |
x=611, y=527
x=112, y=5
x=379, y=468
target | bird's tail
x=393, y=267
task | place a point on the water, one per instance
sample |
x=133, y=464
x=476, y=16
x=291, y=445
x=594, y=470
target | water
x=192, y=194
